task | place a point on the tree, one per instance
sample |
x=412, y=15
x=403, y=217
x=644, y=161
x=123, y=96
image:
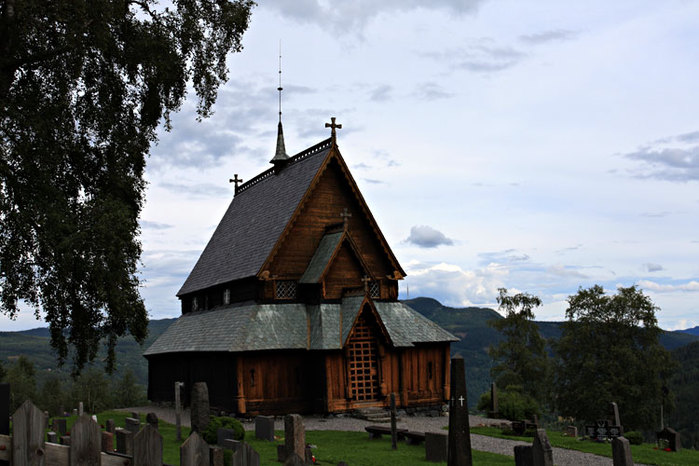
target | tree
x=84, y=86
x=22, y=379
x=53, y=397
x=92, y=388
x=520, y=359
x=609, y=351
x=127, y=393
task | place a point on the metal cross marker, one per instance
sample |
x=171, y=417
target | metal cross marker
x=345, y=216
x=461, y=399
x=235, y=180
x=332, y=127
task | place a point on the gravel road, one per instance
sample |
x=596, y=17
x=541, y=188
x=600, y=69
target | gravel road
x=561, y=457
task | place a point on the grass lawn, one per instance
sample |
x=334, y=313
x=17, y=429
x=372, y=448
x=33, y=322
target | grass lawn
x=645, y=453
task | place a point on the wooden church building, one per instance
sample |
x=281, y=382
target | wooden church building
x=293, y=304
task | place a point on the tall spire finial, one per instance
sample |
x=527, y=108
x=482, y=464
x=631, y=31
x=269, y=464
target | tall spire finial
x=332, y=125
x=280, y=156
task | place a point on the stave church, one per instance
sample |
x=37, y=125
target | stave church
x=293, y=304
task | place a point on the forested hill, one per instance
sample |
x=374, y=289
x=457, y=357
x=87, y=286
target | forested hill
x=471, y=325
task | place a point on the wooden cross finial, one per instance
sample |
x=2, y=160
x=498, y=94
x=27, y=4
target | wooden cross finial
x=332, y=127
x=235, y=180
x=345, y=217
x=366, y=281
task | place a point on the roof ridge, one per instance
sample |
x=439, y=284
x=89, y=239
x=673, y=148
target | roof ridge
x=290, y=161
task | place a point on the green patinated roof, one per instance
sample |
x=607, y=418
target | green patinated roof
x=321, y=258
x=257, y=327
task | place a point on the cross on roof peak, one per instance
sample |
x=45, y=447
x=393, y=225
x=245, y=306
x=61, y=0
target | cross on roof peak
x=235, y=180
x=332, y=125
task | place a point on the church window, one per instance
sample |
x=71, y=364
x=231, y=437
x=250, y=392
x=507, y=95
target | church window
x=227, y=296
x=375, y=289
x=285, y=289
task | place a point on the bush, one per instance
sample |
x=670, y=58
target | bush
x=514, y=405
x=216, y=423
x=634, y=437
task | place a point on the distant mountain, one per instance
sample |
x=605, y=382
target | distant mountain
x=691, y=331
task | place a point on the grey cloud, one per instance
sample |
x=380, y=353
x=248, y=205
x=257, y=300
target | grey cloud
x=689, y=137
x=566, y=271
x=655, y=214
x=368, y=180
x=154, y=225
x=672, y=164
x=381, y=93
x=650, y=267
x=207, y=190
x=507, y=256
x=354, y=16
x=553, y=35
x=481, y=56
x=431, y=91
x=427, y=237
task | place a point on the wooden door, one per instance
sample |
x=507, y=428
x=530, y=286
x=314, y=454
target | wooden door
x=362, y=362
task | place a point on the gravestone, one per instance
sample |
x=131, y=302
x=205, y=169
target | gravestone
x=124, y=441
x=178, y=411
x=109, y=426
x=294, y=435
x=134, y=414
x=194, y=451
x=281, y=453
x=152, y=419
x=294, y=460
x=245, y=456
x=107, y=442
x=459, y=450
x=542, y=452
x=493, y=401
x=672, y=438
x=436, y=447
x=200, y=407
x=46, y=416
x=603, y=430
x=75, y=411
x=147, y=447
x=85, y=442
x=59, y=426
x=216, y=454
x=621, y=452
x=51, y=437
x=309, y=455
x=81, y=408
x=224, y=434
x=4, y=409
x=615, y=412
x=132, y=424
x=572, y=431
x=231, y=444
x=394, y=433
x=264, y=428
x=523, y=455
x=65, y=440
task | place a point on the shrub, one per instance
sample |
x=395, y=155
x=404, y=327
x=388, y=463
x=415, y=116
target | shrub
x=634, y=437
x=514, y=405
x=216, y=423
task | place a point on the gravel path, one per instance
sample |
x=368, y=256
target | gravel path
x=561, y=456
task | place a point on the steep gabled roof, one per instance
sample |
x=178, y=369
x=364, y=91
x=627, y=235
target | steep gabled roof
x=254, y=221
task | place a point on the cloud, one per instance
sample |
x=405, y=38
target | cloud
x=650, y=267
x=205, y=190
x=670, y=159
x=381, y=93
x=369, y=180
x=508, y=256
x=431, y=91
x=483, y=55
x=567, y=271
x=154, y=225
x=553, y=35
x=355, y=15
x=427, y=237
x=690, y=286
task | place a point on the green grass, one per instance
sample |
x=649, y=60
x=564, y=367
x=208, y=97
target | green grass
x=645, y=453
x=355, y=448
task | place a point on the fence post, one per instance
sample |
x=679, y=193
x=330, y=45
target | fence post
x=28, y=436
x=194, y=451
x=147, y=447
x=85, y=442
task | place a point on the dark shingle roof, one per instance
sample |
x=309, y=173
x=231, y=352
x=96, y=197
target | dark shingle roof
x=256, y=327
x=254, y=222
x=321, y=258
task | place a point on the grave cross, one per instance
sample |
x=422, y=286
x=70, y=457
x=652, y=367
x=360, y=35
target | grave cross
x=332, y=125
x=235, y=180
x=345, y=217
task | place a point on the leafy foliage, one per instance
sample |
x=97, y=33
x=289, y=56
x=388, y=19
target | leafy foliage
x=520, y=359
x=512, y=404
x=685, y=385
x=210, y=434
x=83, y=88
x=22, y=379
x=634, y=437
x=609, y=351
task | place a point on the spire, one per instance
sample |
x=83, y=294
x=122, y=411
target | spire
x=280, y=156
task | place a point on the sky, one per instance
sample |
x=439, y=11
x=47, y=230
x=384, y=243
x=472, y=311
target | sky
x=536, y=146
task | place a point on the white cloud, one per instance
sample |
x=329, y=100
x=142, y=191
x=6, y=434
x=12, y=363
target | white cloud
x=648, y=285
x=427, y=237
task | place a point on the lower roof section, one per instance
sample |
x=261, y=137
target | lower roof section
x=250, y=326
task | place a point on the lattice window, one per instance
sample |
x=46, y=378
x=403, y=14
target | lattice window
x=362, y=362
x=375, y=289
x=285, y=289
